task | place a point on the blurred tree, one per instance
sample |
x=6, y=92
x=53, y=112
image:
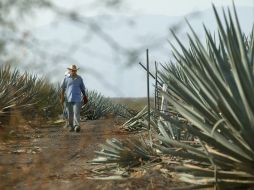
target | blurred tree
x=13, y=15
x=20, y=44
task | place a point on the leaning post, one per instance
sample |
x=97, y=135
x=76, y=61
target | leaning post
x=156, y=87
x=148, y=96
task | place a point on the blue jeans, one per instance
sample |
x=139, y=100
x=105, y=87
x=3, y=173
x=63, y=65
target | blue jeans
x=73, y=110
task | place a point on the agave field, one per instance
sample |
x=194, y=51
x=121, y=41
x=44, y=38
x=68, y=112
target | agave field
x=203, y=139
x=23, y=93
x=209, y=126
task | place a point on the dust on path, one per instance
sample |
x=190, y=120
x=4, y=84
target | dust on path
x=53, y=158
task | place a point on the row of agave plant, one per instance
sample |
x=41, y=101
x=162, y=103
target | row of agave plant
x=99, y=106
x=23, y=93
x=212, y=88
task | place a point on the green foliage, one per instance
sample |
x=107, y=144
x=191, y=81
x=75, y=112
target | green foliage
x=127, y=153
x=26, y=92
x=98, y=106
x=212, y=87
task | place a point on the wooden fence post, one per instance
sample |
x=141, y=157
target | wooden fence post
x=148, y=96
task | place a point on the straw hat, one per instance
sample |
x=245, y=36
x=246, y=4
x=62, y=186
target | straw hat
x=73, y=67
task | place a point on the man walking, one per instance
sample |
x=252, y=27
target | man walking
x=71, y=88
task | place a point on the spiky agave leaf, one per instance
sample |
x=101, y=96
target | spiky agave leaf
x=14, y=92
x=23, y=92
x=213, y=89
x=138, y=122
x=99, y=106
x=124, y=153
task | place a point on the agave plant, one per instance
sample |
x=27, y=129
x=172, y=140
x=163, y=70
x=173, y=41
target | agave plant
x=117, y=158
x=14, y=94
x=212, y=87
x=23, y=92
x=48, y=98
x=99, y=106
x=138, y=122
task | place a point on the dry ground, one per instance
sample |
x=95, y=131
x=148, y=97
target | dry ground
x=50, y=157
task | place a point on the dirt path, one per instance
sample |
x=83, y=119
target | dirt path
x=53, y=158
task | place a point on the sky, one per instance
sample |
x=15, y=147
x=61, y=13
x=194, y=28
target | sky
x=182, y=7
x=140, y=7
x=164, y=7
x=103, y=68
